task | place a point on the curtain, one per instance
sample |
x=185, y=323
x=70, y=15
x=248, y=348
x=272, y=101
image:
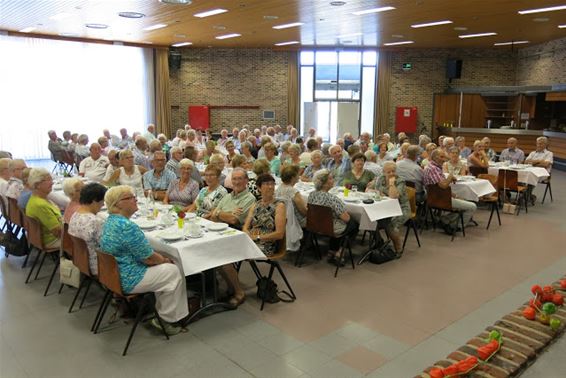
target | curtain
x=81, y=87
x=383, y=91
x=162, y=96
x=293, y=90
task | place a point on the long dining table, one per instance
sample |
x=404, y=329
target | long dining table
x=525, y=172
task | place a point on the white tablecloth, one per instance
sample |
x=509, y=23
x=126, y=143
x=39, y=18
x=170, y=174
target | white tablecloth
x=529, y=175
x=471, y=190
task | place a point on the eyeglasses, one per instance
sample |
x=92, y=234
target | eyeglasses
x=128, y=198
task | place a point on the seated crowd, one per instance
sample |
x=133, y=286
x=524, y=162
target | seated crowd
x=246, y=180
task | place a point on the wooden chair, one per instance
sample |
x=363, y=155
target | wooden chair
x=109, y=276
x=7, y=226
x=476, y=171
x=33, y=228
x=508, y=181
x=273, y=262
x=81, y=261
x=411, y=223
x=491, y=199
x=320, y=222
x=440, y=199
x=547, y=189
x=17, y=221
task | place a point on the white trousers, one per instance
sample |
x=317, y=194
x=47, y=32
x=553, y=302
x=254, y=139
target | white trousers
x=166, y=282
x=453, y=219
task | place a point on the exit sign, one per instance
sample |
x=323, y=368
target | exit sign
x=407, y=66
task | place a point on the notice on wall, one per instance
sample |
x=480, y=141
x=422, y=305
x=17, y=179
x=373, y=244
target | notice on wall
x=406, y=112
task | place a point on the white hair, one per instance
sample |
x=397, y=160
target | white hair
x=36, y=176
x=69, y=186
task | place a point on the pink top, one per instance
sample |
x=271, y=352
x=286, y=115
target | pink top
x=70, y=210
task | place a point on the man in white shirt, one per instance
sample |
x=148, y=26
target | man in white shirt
x=371, y=163
x=541, y=157
x=15, y=185
x=150, y=134
x=94, y=167
x=409, y=170
x=139, y=152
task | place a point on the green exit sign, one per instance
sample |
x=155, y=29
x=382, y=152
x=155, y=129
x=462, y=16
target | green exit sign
x=407, y=66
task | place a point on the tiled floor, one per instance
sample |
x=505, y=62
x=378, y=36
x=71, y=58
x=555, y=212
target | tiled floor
x=382, y=321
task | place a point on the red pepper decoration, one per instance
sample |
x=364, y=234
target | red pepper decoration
x=488, y=349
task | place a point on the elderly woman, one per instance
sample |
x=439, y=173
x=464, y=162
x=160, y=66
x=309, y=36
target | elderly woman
x=141, y=269
x=72, y=189
x=23, y=198
x=344, y=225
x=43, y=210
x=208, y=151
x=381, y=151
x=210, y=195
x=284, y=150
x=237, y=162
x=81, y=149
x=488, y=150
x=454, y=165
x=461, y=144
x=231, y=151
x=217, y=160
x=394, y=187
x=478, y=158
x=85, y=224
x=184, y=190
x=265, y=223
x=289, y=177
x=316, y=165
x=294, y=158
x=128, y=173
x=113, y=166
x=358, y=176
x=274, y=162
x=261, y=167
x=427, y=153
x=246, y=149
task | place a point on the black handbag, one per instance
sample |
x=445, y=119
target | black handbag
x=13, y=245
x=382, y=255
x=267, y=291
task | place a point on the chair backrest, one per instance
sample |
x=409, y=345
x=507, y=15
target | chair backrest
x=320, y=220
x=410, y=184
x=507, y=179
x=108, y=272
x=80, y=255
x=438, y=198
x=491, y=178
x=3, y=208
x=411, y=194
x=33, y=228
x=66, y=240
x=476, y=171
x=15, y=212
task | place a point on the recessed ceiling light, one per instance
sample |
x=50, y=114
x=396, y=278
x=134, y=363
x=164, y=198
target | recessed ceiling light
x=349, y=35
x=373, y=10
x=477, y=35
x=427, y=24
x=562, y=26
x=209, y=13
x=219, y=27
x=181, y=44
x=180, y=36
x=182, y=2
x=337, y=3
x=510, y=43
x=131, y=14
x=270, y=17
x=286, y=26
x=155, y=27
x=397, y=36
x=97, y=26
x=460, y=28
x=541, y=19
x=60, y=16
x=287, y=43
x=226, y=36
x=398, y=43
x=540, y=10
x=29, y=29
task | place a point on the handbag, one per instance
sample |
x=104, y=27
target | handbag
x=69, y=274
x=14, y=246
x=267, y=291
x=383, y=255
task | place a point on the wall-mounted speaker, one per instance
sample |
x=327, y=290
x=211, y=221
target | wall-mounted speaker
x=453, y=69
x=174, y=60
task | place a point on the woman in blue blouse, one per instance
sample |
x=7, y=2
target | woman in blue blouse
x=141, y=269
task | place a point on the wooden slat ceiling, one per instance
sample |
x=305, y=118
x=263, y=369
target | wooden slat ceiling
x=323, y=23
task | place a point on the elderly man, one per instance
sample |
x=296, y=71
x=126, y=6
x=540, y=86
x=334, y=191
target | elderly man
x=512, y=154
x=447, y=143
x=114, y=140
x=223, y=138
x=125, y=141
x=234, y=207
x=55, y=145
x=173, y=163
x=104, y=145
x=150, y=134
x=409, y=170
x=94, y=167
x=338, y=164
x=15, y=184
x=139, y=151
x=488, y=150
x=433, y=175
x=158, y=179
x=386, y=138
x=114, y=164
x=541, y=157
x=371, y=163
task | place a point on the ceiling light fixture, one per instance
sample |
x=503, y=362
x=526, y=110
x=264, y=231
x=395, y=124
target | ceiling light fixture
x=131, y=14
x=209, y=13
x=270, y=17
x=181, y=44
x=541, y=10
x=463, y=36
x=60, y=16
x=219, y=27
x=510, y=43
x=287, y=43
x=427, y=24
x=155, y=27
x=226, y=36
x=373, y=10
x=97, y=26
x=337, y=3
x=562, y=26
x=178, y=2
x=460, y=28
x=286, y=26
x=29, y=29
x=398, y=43
x=541, y=19
x=397, y=36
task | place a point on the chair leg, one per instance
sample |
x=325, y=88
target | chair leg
x=416, y=234
x=498, y=217
x=77, y=294
x=99, y=310
x=280, y=270
x=271, y=268
x=104, y=308
x=52, y=276
x=255, y=269
x=407, y=236
x=463, y=226
x=60, y=288
x=33, y=265
x=550, y=191
x=160, y=321
x=85, y=294
x=138, y=318
x=26, y=260
x=351, y=256
x=40, y=265
x=493, y=207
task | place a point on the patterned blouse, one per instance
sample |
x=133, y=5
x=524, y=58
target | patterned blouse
x=310, y=170
x=321, y=198
x=207, y=201
x=454, y=169
x=264, y=219
x=253, y=189
x=182, y=197
x=124, y=240
x=383, y=187
x=88, y=227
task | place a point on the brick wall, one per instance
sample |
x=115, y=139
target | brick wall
x=481, y=67
x=231, y=77
x=542, y=64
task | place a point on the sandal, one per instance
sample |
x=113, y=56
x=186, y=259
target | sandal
x=235, y=301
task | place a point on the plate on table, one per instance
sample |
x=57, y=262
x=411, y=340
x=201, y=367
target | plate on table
x=217, y=226
x=351, y=199
x=146, y=224
x=170, y=235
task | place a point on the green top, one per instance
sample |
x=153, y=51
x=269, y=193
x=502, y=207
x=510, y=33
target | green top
x=275, y=166
x=361, y=183
x=231, y=201
x=48, y=215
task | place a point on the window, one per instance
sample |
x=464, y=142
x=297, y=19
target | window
x=331, y=79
